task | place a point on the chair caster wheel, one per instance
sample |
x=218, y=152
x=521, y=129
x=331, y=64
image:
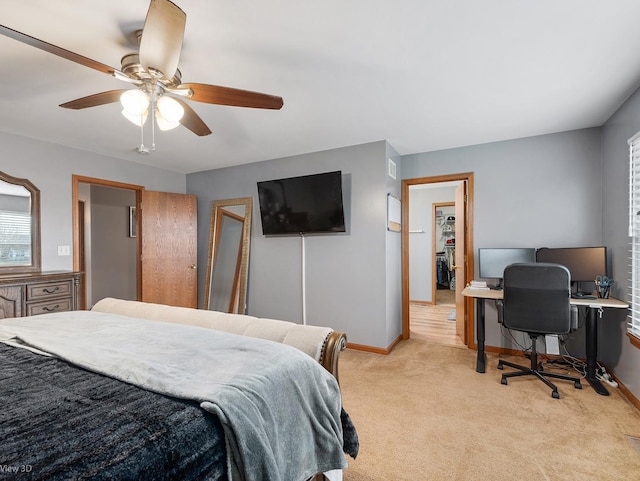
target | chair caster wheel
x=577, y=385
x=555, y=395
x=503, y=380
x=500, y=366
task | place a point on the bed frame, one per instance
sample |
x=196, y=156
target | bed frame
x=334, y=343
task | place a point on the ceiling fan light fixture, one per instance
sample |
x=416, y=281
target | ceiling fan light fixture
x=170, y=109
x=164, y=123
x=138, y=120
x=135, y=102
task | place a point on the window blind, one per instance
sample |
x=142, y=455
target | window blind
x=634, y=233
x=15, y=237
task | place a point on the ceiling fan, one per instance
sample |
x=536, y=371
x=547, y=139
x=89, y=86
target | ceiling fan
x=153, y=70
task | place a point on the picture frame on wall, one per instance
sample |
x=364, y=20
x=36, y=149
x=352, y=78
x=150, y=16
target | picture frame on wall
x=133, y=221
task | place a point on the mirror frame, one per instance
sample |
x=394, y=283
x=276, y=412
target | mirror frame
x=35, y=226
x=216, y=207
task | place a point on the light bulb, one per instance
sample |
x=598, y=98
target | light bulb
x=170, y=109
x=163, y=123
x=138, y=120
x=135, y=102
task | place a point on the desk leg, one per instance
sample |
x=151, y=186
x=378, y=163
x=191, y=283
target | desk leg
x=481, y=359
x=592, y=351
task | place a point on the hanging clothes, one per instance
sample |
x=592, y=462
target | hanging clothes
x=442, y=271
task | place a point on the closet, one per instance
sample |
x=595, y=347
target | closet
x=444, y=246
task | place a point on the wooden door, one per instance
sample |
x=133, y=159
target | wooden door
x=168, y=231
x=461, y=282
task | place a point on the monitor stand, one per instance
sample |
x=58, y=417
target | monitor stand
x=581, y=295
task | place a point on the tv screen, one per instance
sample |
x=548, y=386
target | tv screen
x=492, y=261
x=308, y=204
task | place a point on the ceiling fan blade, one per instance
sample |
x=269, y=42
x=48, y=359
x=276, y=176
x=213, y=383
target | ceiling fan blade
x=59, y=51
x=162, y=36
x=191, y=120
x=94, y=100
x=213, y=94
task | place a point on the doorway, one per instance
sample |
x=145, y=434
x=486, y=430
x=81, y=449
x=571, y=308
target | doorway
x=158, y=264
x=105, y=245
x=462, y=265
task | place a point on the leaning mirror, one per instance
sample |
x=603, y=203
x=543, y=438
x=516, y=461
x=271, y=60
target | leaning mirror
x=228, y=264
x=19, y=225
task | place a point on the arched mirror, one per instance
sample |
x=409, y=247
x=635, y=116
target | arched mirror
x=19, y=225
x=228, y=265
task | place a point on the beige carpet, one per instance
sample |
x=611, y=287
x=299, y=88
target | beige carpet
x=423, y=413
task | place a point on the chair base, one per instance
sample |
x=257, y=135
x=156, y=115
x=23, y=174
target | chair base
x=534, y=370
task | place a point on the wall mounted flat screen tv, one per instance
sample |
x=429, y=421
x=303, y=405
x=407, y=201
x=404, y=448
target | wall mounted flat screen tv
x=309, y=204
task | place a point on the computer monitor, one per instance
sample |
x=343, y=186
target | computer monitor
x=492, y=261
x=584, y=263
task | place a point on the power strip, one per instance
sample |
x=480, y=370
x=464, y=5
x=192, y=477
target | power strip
x=606, y=377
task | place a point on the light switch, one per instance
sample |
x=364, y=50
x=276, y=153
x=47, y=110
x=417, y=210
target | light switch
x=64, y=251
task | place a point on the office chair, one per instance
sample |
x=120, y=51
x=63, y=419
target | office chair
x=536, y=301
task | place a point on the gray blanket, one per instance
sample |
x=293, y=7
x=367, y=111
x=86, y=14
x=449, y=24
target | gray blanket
x=279, y=408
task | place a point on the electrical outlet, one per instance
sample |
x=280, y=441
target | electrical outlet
x=64, y=251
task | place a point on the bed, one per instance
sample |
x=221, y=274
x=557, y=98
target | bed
x=103, y=395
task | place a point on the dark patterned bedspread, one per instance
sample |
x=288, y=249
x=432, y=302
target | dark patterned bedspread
x=58, y=422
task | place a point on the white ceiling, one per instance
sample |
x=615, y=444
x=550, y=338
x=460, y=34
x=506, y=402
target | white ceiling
x=423, y=74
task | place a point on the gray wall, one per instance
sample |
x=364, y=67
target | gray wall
x=614, y=348
x=113, y=266
x=393, y=254
x=352, y=279
x=531, y=192
x=50, y=167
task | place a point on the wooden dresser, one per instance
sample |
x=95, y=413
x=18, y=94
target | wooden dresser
x=38, y=293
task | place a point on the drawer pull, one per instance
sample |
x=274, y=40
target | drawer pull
x=51, y=291
x=51, y=309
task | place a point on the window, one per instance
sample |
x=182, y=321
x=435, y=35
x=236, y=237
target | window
x=634, y=234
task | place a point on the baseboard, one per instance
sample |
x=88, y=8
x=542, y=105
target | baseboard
x=502, y=350
x=626, y=392
x=375, y=350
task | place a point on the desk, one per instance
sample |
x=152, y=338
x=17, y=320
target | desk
x=591, y=326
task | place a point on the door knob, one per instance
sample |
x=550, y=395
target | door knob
x=193, y=266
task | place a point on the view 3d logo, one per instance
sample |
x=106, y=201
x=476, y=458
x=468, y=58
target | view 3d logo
x=18, y=468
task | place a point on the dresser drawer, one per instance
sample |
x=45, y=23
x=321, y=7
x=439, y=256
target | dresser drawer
x=47, y=290
x=60, y=305
x=39, y=293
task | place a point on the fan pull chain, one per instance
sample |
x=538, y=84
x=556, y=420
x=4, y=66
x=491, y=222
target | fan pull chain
x=153, y=122
x=142, y=148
